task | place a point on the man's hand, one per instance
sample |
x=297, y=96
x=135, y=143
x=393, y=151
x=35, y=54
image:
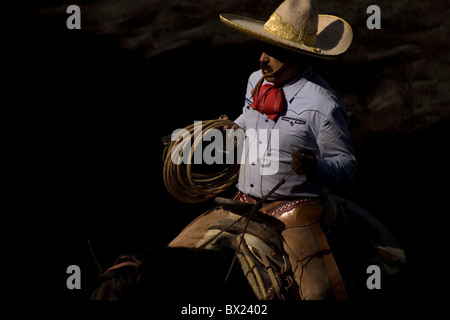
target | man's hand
x=233, y=127
x=304, y=161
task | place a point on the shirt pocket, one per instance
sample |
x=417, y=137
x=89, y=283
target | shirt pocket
x=295, y=133
x=293, y=121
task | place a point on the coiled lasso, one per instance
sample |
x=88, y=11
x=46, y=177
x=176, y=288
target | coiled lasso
x=179, y=178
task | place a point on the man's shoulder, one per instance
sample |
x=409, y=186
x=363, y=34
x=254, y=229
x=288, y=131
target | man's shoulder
x=254, y=77
x=314, y=79
x=317, y=94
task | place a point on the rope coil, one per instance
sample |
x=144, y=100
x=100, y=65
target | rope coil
x=194, y=187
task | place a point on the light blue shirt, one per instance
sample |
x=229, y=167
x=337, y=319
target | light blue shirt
x=315, y=119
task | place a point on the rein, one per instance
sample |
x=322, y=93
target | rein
x=255, y=207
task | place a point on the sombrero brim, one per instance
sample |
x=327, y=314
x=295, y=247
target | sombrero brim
x=334, y=35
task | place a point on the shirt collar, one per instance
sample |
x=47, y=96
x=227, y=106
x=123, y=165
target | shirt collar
x=292, y=88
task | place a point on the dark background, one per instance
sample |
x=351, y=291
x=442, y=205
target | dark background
x=94, y=104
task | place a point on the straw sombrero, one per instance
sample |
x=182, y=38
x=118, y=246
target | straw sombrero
x=297, y=26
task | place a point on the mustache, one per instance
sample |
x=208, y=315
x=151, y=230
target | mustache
x=266, y=67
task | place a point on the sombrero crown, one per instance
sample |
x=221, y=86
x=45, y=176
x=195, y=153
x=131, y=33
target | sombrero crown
x=296, y=25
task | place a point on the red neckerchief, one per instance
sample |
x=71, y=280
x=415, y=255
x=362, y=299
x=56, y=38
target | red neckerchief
x=270, y=101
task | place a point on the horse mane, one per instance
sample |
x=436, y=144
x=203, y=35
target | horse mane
x=118, y=281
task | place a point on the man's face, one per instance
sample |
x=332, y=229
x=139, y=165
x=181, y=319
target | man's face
x=268, y=65
x=274, y=58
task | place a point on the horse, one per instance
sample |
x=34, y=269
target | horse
x=226, y=266
x=173, y=274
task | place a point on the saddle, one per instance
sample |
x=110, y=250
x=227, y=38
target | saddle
x=259, y=252
x=303, y=212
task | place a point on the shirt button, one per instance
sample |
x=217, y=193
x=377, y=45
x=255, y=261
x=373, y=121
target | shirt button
x=251, y=185
x=267, y=120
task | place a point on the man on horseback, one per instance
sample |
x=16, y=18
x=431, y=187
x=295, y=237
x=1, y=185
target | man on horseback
x=288, y=96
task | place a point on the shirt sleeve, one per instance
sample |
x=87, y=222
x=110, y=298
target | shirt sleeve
x=240, y=121
x=336, y=162
x=254, y=77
